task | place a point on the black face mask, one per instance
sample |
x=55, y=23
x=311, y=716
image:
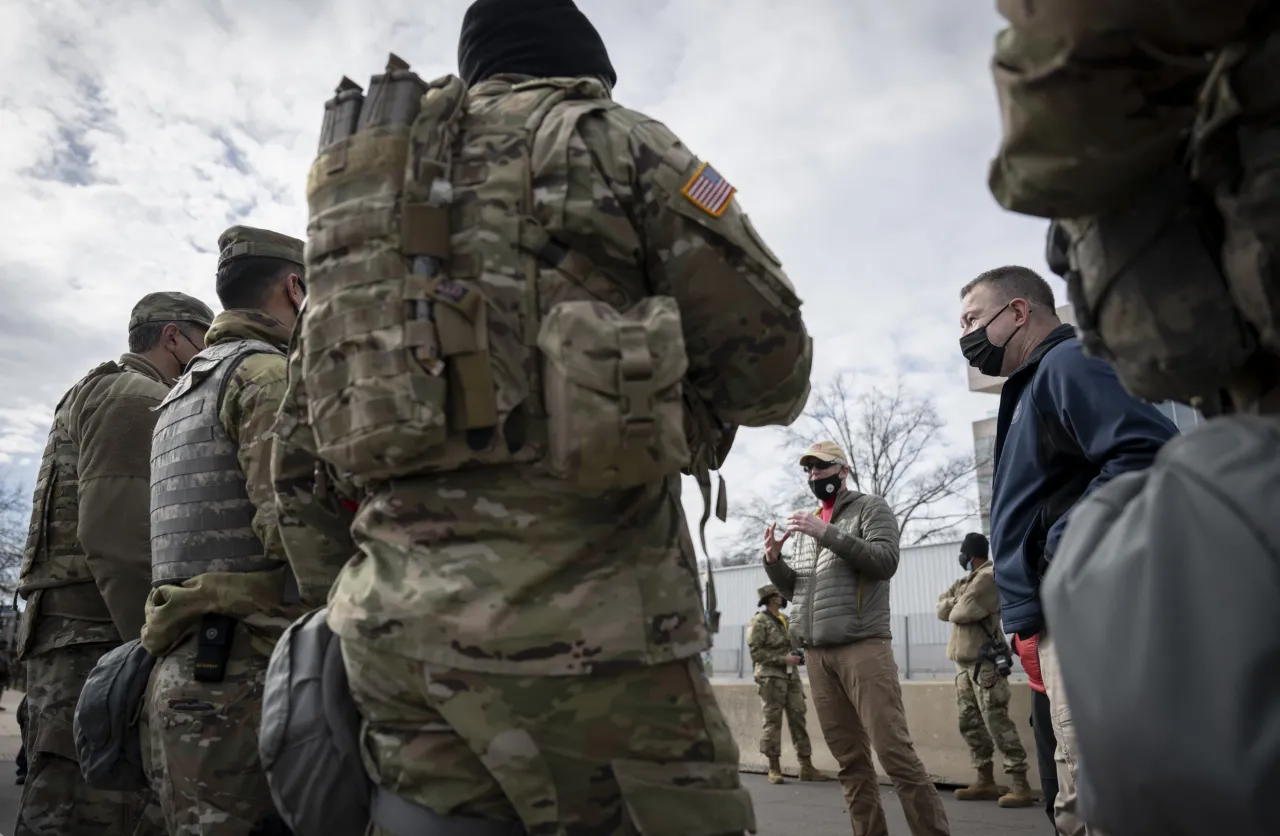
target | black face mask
x=981, y=353
x=966, y=563
x=827, y=488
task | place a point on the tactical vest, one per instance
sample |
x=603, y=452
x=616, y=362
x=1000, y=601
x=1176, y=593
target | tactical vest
x=201, y=515
x=424, y=348
x=53, y=556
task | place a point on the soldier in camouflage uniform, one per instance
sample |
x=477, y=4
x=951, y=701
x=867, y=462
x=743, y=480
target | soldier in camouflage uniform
x=315, y=503
x=86, y=569
x=972, y=604
x=223, y=592
x=1148, y=131
x=525, y=645
x=781, y=691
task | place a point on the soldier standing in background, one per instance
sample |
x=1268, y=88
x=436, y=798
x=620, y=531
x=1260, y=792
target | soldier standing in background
x=86, y=570
x=972, y=604
x=777, y=677
x=223, y=592
x=522, y=626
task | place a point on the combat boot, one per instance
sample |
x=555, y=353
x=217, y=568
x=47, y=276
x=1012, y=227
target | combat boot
x=1019, y=795
x=809, y=772
x=775, y=771
x=983, y=789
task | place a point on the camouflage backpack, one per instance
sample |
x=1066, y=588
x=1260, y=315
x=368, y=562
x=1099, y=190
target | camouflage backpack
x=423, y=348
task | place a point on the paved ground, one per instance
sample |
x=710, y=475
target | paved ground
x=783, y=810
x=792, y=808
x=818, y=810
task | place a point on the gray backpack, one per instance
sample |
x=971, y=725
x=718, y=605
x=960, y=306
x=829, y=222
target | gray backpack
x=105, y=725
x=1163, y=601
x=309, y=738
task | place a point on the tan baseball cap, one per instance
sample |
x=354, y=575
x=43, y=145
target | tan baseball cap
x=824, y=451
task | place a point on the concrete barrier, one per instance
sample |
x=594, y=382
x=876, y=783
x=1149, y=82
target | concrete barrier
x=931, y=716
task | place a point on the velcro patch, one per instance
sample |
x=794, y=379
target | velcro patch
x=709, y=191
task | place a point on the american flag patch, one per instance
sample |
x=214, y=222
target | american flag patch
x=709, y=191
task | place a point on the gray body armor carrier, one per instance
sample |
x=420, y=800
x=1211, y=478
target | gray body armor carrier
x=201, y=516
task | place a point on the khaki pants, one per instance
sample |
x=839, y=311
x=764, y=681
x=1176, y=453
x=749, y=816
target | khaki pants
x=859, y=701
x=1064, y=730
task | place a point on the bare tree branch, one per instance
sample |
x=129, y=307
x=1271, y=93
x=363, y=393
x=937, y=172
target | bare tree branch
x=14, y=508
x=896, y=451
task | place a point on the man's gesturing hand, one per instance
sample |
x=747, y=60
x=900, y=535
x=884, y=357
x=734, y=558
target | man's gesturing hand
x=806, y=522
x=772, y=545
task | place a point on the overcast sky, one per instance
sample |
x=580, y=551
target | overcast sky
x=858, y=135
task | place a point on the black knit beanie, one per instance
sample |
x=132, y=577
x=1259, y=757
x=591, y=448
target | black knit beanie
x=541, y=38
x=974, y=545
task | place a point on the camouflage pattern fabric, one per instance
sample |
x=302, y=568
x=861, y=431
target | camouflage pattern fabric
x=524, y=647
x=644, y=750
x=200, y=739
x=458, y=568
x=314, y=503
x=55, y=799
x=1096, y=98
x=200, y=744
x=779, y=685
x=984, y=718
x=769, y=643
x=249, y=404
x=779, y=697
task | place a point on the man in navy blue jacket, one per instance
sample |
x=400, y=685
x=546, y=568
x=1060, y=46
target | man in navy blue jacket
x=1066, y=426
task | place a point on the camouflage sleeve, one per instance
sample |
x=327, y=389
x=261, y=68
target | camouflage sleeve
x=749, y=352
x=980, y=600
x=114, y=525
x=758, y=643
x=1095, y=98
x=249, y=407
x=314, y=508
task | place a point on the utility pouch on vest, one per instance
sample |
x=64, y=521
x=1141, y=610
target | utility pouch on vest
x=108, y=745
x=1150, y=296
x=213, y=647
x=376, y=394
x=309, y=737
x=613, y=392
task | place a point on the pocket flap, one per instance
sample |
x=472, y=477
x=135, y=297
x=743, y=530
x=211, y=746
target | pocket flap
x=596, y=347
x=55, y=737
x=684, y=799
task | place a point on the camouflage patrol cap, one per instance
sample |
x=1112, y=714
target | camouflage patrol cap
x=251, y=242
x=824, y=451
x=170, y=306
x=767, y=591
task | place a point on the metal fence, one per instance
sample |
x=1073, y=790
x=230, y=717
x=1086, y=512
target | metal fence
x=919, y=647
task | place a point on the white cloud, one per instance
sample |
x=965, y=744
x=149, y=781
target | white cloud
x=857, y=134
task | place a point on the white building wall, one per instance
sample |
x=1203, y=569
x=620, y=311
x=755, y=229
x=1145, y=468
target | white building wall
x=919, y=639
x=923, y=572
